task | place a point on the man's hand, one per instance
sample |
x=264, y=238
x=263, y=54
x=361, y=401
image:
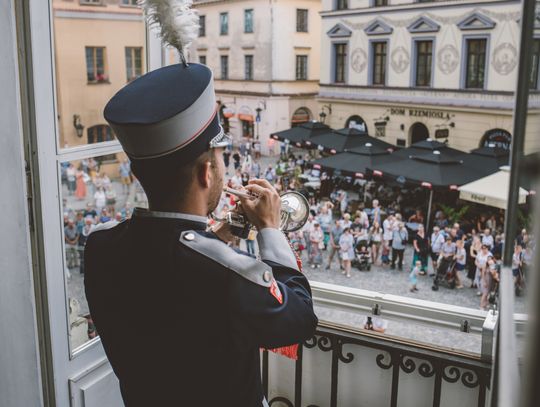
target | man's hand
x=264, y=210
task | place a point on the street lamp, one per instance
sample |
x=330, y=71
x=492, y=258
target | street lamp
x=257, y=121
x=78, y=126
x=322, y=115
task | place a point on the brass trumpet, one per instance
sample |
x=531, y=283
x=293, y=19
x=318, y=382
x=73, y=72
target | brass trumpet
x=293, y=214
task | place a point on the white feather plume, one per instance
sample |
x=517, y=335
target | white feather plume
x=178, y=21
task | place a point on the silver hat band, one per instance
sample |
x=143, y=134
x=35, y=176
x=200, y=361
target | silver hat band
x=162, y=138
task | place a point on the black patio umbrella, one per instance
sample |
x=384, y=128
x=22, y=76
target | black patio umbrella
x=426, y=146
x=297, y=136
x=338, y=141
x=357, y=161
x=435, y=170
x=489, y=158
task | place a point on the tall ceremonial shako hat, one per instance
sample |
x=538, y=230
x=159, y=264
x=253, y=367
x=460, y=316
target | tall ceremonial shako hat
x=172, y=109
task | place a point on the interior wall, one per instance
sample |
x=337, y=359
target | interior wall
x=19, y=359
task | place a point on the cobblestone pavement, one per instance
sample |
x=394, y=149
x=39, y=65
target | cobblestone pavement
x=387, y=281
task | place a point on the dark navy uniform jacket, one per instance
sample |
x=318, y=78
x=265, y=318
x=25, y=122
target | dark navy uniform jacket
x=184, y=328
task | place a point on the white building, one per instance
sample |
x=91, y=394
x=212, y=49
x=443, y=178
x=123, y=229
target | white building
x=411, y=70
x=265, y=58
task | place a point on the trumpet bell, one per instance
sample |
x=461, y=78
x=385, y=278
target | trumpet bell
x=294, y=211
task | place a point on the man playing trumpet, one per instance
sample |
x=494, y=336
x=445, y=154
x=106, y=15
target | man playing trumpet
x=181, y=315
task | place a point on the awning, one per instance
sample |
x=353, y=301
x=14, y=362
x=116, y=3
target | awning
x=246, y=117
x=491, y=190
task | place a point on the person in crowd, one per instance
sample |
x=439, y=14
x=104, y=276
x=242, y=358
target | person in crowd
x=80, y=184
x=474, y=249
x=461, y=261
x=335, y=233
x=343, y=199
x=447, y=255
x=270, y=174
x=421, y=248
x=481, y=223
x=389, y=225
x=364, y=217
x=522, y=238
x=306, y=231
x=375, y=212
x=71, y=176
x=100, y=199
x=346, y=250
x=226, y=160
x=436, y=242
x=528, y=258
x=250, y=242
x=325, y=220
x=125, y=174
x=481, y=265
x=417, y=217
x=497, y=249
x=400, y=236
x=236, y=179
x=316, y=238
x=255, y=169
x=362, y=237
x=346, y=221
x=110, y=198
x=440, y=220
x=105, y=216
x=491, y=223
x=413, y=276
x=490, y=276
x=375, y=234
x=245, y=179
x=236, y=160
x=83, y=235
x=487, y=239
x=71, y=238
x=517, y=263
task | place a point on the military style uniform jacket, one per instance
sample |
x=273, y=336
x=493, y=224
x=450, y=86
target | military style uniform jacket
x=182, y=316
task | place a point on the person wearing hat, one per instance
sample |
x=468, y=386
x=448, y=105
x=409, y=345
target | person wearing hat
x=201, y=311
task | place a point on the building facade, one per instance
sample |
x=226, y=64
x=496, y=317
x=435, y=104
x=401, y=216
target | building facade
x=411, y=70
x=265, y=59
x=99, y=47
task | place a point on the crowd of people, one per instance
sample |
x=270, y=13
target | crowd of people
x=353, y=230
x=347, y=228
x=85, y=183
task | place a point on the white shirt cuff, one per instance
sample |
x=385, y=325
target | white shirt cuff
x=274, y=246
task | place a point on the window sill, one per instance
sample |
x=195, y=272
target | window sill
x=105, y=82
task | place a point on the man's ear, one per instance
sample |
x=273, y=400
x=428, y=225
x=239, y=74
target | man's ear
x=204, y=174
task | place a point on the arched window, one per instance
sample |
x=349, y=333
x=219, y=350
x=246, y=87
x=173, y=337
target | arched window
x=301, y=115
x=418, y=132
x=498, y=138
x=356, y=122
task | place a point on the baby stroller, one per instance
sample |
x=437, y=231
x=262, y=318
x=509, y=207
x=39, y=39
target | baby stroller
x=446, y=273
x=362, y=259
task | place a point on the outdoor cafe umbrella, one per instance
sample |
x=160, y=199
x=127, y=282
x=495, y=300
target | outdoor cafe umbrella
x=489, y=158
x=298, y=135
x=357, y=161
x=337, y=141
x=426, y=146
x=491, y=190
x=435, y=170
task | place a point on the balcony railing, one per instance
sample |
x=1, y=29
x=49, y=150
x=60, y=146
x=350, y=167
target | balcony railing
x=341, y=366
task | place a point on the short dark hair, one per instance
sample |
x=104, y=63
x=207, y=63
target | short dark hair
x=167, y=178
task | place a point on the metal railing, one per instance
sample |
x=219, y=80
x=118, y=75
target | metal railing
x=434, y=365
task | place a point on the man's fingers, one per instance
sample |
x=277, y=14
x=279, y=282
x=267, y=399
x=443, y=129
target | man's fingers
x=262, y=182
x=255, y=189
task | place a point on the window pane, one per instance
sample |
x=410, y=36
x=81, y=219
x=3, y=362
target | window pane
x=379, y=63
x=476, y=61
x=202, y=26
x=248, y=21
x=94, y=191
x=224, y=23
x=301, y=20
x=224, y=67
x=423, y=63
x=95, y=56
x=248, y=61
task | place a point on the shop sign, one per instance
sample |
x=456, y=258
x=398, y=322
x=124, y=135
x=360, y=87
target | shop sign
x=427, y=113
x=380, y=129
x=442, y=133
x=497, y=138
